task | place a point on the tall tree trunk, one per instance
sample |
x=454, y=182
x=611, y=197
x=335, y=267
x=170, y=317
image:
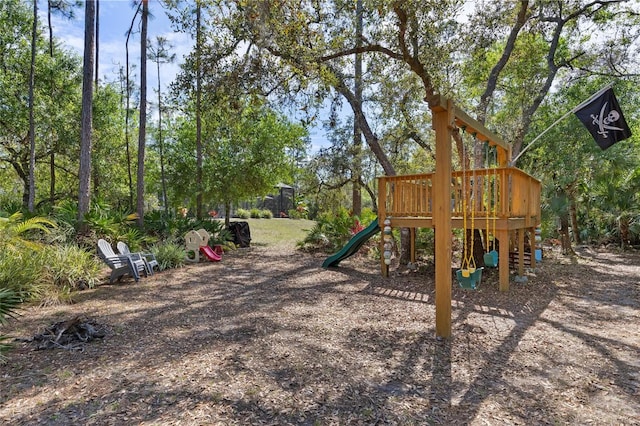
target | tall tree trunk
x=161, y=145
x=84, y=195
x=573, y=215
x=565, y=239
x=52, y=155
x=95, y=177
x=372, y=140
x=52, y=174
x=32, y=126
x=623, y=228
x=160, y=54
x=227, y=214
x=21, y=167
x=128, y=108
x=142, y=133
x=198, y=116
x=97, y=42
x=95, y=171
x=356, y=170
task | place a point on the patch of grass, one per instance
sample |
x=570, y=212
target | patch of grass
x=65, y=374
x=268, y=233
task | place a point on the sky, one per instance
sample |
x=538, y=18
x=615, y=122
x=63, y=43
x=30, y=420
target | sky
x=115, y=20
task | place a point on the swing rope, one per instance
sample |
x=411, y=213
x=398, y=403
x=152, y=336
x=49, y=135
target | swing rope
x=492, y=202
x=471, y=261
x=465, y=271
x=495, y=198
x=488, y=195
x=491, y=255
x=468, y=264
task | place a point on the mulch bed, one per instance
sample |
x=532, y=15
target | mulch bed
x=268, y=337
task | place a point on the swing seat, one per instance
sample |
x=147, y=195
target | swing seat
x=472, y=281
x=491, y=259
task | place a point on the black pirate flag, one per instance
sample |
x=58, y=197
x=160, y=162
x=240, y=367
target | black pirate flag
x=604, y=120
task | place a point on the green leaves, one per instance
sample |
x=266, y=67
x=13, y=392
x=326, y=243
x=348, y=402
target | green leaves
x=9, y=302
x=13, y=231
x=245, y=151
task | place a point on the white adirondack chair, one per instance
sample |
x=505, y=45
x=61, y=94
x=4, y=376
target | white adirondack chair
x=149, y=259
x=120, y=265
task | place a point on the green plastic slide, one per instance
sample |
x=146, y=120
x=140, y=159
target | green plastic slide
x=353, y=245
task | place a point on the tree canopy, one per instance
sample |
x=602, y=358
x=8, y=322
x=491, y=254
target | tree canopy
x=263, y=74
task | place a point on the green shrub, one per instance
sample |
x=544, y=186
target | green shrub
x=9, y=302
x=425, y=240
x=69, y=266
x=243, y=214
x=295, y=214
x=66, y=212
x=255, y=213
x=21, y=272
x=9, y=205
x=18, y=234
x=50, y=276
x=367, y=216
x=62, y=234
x=135, y=239
x=300, y=212
x=169, y=254
x=20, y=263
x=315, y=239
x=221, y=238
x=102, y=221
x=332, y=231
x=161, y=225
x=266, y=214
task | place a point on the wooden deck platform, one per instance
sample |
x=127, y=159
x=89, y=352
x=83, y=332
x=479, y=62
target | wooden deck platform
x=503, y=199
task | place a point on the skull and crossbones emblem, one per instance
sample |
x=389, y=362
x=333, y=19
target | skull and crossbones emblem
x=604, y=122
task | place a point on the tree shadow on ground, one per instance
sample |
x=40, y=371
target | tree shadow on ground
x=524, y=307
x=256, y=338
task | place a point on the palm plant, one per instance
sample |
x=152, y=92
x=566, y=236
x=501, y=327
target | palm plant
x=618, y=196
x=19, y=269
x=13, y=231
x=8, y=305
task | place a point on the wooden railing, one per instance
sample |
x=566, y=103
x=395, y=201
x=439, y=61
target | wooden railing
x=500, y=192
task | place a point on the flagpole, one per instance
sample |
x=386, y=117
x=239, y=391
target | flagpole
x=576, y=108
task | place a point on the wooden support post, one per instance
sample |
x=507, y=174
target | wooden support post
x=442, y=121
x=382, y=215
x=503, y=259
x=412, y=233
x=534, y=245
x=520, y=236
x=503, y=155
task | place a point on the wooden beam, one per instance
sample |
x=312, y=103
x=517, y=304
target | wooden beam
x=442, y=124
x=471, y=125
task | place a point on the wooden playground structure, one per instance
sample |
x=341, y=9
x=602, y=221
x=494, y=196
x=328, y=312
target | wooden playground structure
x=441, y=200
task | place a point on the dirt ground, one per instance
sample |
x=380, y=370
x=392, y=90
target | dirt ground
x=268, y=337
